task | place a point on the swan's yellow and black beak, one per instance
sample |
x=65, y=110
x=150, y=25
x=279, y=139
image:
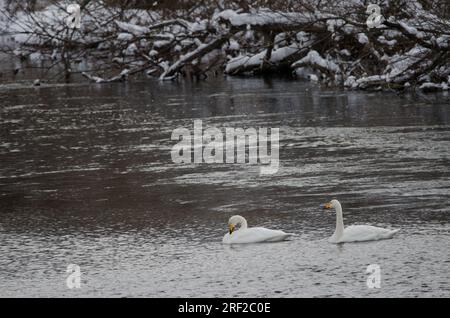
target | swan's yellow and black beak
x=231, y=228
x=327, y=206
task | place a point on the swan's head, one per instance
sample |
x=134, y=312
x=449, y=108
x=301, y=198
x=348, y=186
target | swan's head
x=236, y=220
x=332, y=204
x=231, y=228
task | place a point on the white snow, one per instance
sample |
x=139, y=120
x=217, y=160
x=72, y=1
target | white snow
x=234, y=45
x=434, y=86
x=332, y=24
x=257, y=59
x=131, y=49
x=412, y=30
x=262, y=17
x=124, y=36
x=313, y=58
x=132, y=28
x=398, y=64
x=383, y=40
x=362, y=38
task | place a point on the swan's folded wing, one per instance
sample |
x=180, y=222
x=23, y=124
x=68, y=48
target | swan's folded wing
x=358, y=233
x=258, y=235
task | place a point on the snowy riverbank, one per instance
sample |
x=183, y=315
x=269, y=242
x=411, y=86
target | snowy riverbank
x=332, y=44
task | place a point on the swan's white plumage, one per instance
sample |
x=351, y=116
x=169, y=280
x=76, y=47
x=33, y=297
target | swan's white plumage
x=356, y=233
x=361, y=233
x=255, y=235
x=246, y=235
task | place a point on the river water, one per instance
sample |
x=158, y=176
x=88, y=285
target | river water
x=86, y=178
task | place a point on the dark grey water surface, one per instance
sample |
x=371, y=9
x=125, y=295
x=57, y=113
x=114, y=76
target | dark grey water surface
x=86, y=177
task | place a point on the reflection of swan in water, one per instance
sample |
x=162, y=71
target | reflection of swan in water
x=355, y=233
x=250, y=235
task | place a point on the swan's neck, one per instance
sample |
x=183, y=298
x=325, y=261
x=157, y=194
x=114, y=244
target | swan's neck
x=242, y=223
x=339, y=222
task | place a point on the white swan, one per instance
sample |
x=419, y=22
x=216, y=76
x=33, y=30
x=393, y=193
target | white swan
x=250, y=235
x=355, y=233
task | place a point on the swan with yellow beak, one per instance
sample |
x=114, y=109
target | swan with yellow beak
x=355, y=233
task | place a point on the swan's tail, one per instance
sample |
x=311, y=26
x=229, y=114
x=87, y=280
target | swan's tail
x=288, y=235
x=280, y=237
x=393, y=232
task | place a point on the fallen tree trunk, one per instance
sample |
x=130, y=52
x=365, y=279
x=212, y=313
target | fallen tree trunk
x=201, y=50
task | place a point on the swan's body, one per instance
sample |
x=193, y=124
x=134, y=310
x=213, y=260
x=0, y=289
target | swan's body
x=255, y=235
x=361, y=233
x=245, y=235
x=355, y=233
